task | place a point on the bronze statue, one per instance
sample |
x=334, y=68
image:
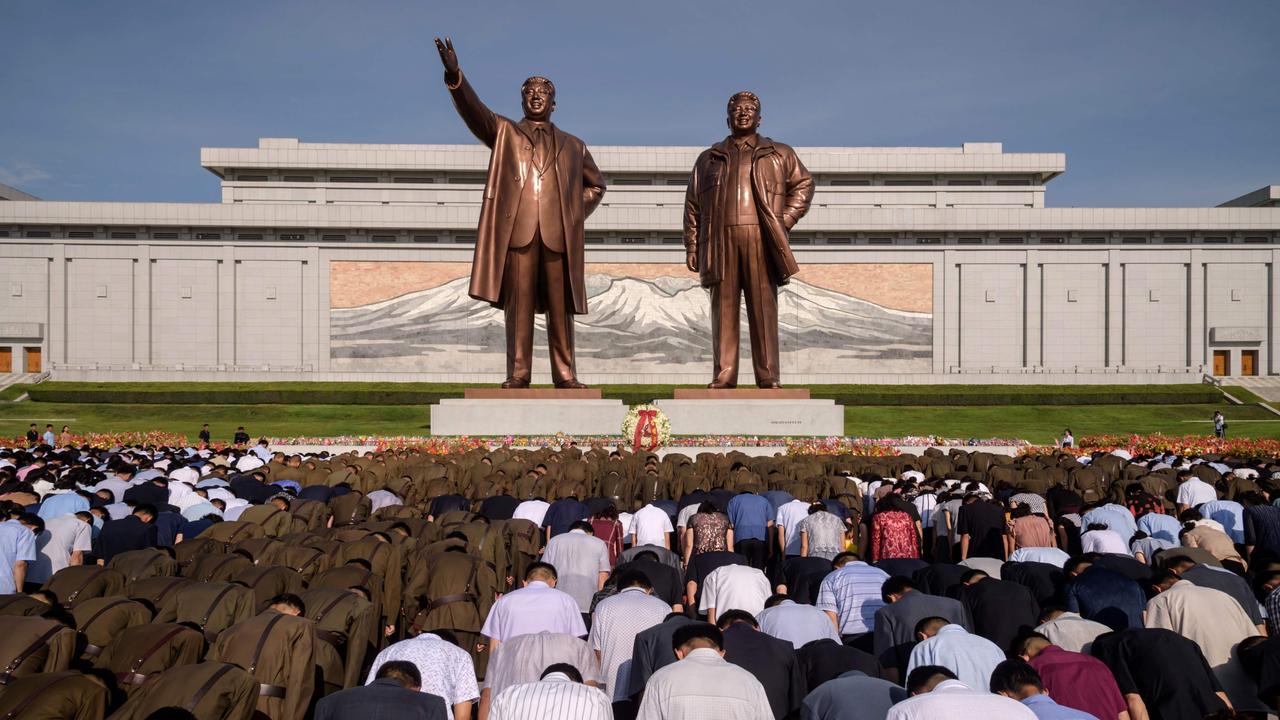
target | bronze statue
x=745, y=194
x=542, y=184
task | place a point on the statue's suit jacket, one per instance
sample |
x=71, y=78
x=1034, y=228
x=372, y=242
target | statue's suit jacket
x=581, y=186
x=783, y=190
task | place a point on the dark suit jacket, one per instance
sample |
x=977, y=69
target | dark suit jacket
x=652, y=651
x=1000, y=609
x=383, y=698
x=125, y=534
x=773, y=662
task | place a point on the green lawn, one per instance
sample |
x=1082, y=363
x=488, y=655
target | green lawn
x=273, y=420
x=1041, y=424
x=1035, y=423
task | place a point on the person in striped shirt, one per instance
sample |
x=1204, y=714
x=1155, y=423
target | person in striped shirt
x=558, y=695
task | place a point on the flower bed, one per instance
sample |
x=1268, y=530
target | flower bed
x=446, y=445
x=1247, y=448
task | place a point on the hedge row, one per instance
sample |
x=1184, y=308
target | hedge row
x=426, y=394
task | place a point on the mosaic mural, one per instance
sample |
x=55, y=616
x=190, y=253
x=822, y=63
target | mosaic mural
x=644, y=319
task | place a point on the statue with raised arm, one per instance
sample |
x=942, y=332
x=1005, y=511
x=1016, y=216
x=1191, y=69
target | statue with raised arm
x=542, y=185
x=744, y=196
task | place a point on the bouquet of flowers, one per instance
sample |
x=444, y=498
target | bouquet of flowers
x=646, y=428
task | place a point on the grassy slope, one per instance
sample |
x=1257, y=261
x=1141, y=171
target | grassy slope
x=1035, y=423
x=1043, y=424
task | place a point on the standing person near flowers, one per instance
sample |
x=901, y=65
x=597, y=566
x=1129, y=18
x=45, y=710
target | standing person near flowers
x=1068, y=440
x=1219, y=424
x=708, y=531
x=64, y=437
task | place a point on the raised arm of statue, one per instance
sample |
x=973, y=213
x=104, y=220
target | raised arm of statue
x=478, y=117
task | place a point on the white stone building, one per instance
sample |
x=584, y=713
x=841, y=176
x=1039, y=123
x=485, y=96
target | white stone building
x=348, y=262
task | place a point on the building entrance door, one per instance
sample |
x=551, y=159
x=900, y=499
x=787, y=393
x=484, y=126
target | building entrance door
x=33, y=359
x=1249, y=362
x=6, y=360
x=1221, y=362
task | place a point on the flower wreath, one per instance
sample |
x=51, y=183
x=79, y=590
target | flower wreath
x=646, y=428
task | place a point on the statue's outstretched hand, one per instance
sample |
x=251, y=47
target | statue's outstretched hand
x=447, y=56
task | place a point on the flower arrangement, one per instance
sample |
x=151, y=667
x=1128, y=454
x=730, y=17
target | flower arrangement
x=1186, y=445
x=646, y=427
x=661, y=426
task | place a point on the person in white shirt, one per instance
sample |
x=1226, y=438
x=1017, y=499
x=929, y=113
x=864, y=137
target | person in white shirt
x=536, y=607
x=734, y=587
x=1100, y=539
x=701, y=684
x=534, y=511
x=651, y=526
x=447, y=670
x=63, y=543
x=582, y=562
x=936, y=694
x=790, y=515
x=617, y=621
x=1193, y=491
x=559, y=695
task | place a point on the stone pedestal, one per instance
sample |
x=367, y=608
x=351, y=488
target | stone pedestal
x=752, y=411
x=531, y=411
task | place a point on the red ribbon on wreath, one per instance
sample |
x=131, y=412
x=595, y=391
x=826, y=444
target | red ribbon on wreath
x=646, y=421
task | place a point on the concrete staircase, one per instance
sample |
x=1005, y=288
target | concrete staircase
x=22, y=378
x=1267, y=388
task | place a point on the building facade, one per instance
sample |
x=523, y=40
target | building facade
x=919, y=265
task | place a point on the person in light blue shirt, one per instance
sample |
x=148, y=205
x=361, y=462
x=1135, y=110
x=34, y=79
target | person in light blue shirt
x=49, y=438
x=971, y=657
x=1229, y=514
x=68, y=503
x=1017, y=680
x=798, y=624
x=1161, y=527
x=17, y=551
x=752, y=517
x=1116, y=517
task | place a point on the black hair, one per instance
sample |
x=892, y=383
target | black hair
x=565, y=668
x=540, y=568
x=402, y=671
x=34, y=521
x=923, y=678
x=895, y=585
x=291, y=600
x=686, y=634
x=633, y=578
x=1011, y=676
x=933, y=621
x=731, y=617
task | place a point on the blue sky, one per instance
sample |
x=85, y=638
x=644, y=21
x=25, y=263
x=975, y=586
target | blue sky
x=1163, y=103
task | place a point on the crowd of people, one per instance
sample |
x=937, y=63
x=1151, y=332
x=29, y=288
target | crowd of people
x=595, y=583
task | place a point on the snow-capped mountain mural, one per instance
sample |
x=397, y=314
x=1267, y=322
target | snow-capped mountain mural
x=655, y=324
